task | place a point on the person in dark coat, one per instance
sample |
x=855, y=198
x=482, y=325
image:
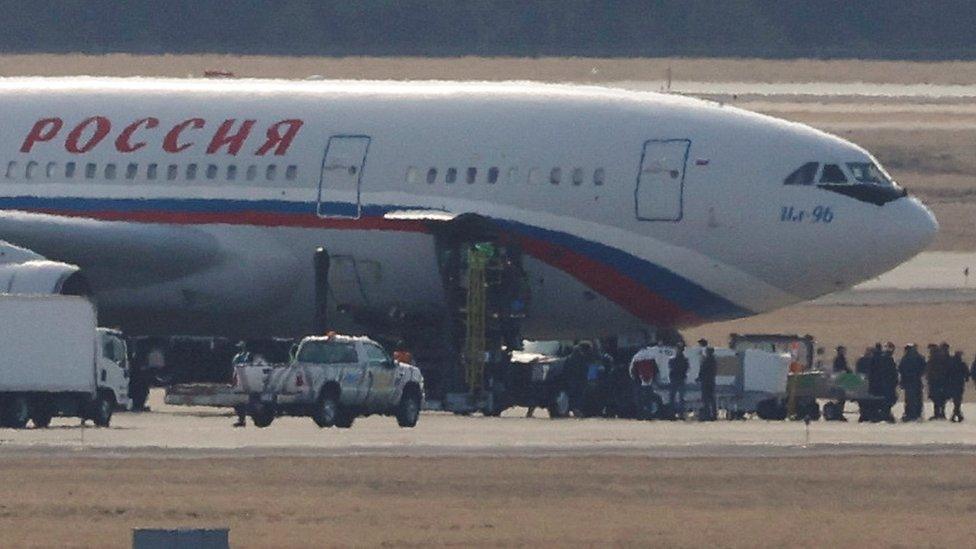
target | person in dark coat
x=935, y=376
x=678, y=375
x=863, y=364
x=840, y=361
x=575, y=371
x=243, y=356
x=706, y=377
x=911, y=369
x=883, y=381
x=957, y=375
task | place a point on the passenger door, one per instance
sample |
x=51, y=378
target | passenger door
x=342, y=173
x=381, y=368
x=660, y=184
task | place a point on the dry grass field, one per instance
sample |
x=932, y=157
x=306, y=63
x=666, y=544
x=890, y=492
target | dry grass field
x=629, y=501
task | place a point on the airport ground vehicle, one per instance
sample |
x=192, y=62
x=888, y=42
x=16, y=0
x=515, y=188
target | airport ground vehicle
x=809, y=381
x=55, y=362
x=333, y=379
x=747, y=381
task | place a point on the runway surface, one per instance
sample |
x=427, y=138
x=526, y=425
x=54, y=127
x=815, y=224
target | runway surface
x=202, y=432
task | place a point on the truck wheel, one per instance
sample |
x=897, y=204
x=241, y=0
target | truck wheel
x=771, y=410
x=833, y=412
x=559, y=404
x=41, y=414
x=262, y=416
x=102, y=412
x=344, y=418
x=326, y=410
x=15, y=412
x=408, y=411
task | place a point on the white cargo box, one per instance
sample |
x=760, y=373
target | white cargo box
x=47, y=343
x=759, y=371
x=765, y=372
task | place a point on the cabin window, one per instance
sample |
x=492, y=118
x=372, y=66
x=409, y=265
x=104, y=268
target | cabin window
x=451, y=175
x=535, y=176
x=599, y=177
x=231, y=172
x=291, y=172
x=90, y=170
x=555, y=175
x=109, y=171
x=832, y=174
x=472, y=175
x=413, y=175
x=492, y=175
x=191, y=172
x=803, y=175
x=211, y=171
x=271, y=172
x=31, y=168
x=131, y=170
x=69, y=170
x=252, y=172
x=577, y=176
x=513, y=174
x=172, y=171
x=52, y=167
x=432, y=176
x=151, y=171
x=865, y=172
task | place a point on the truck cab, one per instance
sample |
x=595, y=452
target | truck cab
x=112, y=368
x=333, y=379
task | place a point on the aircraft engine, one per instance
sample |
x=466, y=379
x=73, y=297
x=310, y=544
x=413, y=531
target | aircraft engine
x=25, y=272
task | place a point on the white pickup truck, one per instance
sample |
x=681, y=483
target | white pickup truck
x=333, y=379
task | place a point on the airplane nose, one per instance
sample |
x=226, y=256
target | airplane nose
x=921, y=226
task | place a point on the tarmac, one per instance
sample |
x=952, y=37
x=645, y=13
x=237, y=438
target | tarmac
x=188, y=432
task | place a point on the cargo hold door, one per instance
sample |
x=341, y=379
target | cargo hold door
x=341, y=178
x=660, y=184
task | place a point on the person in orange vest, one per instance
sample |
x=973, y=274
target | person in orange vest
x=401, y=354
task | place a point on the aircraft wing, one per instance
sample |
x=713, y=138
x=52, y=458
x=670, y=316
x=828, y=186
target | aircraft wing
x=125, y=254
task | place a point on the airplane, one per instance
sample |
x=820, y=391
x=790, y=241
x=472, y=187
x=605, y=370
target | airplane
x=195, y=206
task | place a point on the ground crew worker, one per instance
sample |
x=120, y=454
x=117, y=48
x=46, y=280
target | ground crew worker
x=402, y=354
x=935, y=375
x=577, y=364
x=883, y=381
x=706, y=377
x=678, y=375
x=863, y=364
x=644, y=371
x=911, y=368
x=243, y=356
x=889, y=378
x=840, y=361
x=957, y=375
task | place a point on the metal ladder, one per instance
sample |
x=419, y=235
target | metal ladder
x=475, y=325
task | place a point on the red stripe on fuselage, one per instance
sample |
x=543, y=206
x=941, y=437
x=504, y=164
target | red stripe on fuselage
x=627, y=293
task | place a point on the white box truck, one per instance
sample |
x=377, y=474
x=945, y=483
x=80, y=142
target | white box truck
x=54, y=361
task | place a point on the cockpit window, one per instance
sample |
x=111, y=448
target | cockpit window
x=803, y=175
x=832, y=174
x=866, y=172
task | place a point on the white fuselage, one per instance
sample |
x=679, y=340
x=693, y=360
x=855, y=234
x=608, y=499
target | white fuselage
x=633, y=209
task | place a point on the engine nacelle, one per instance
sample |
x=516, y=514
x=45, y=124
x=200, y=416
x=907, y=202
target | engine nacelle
x=25, y=272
